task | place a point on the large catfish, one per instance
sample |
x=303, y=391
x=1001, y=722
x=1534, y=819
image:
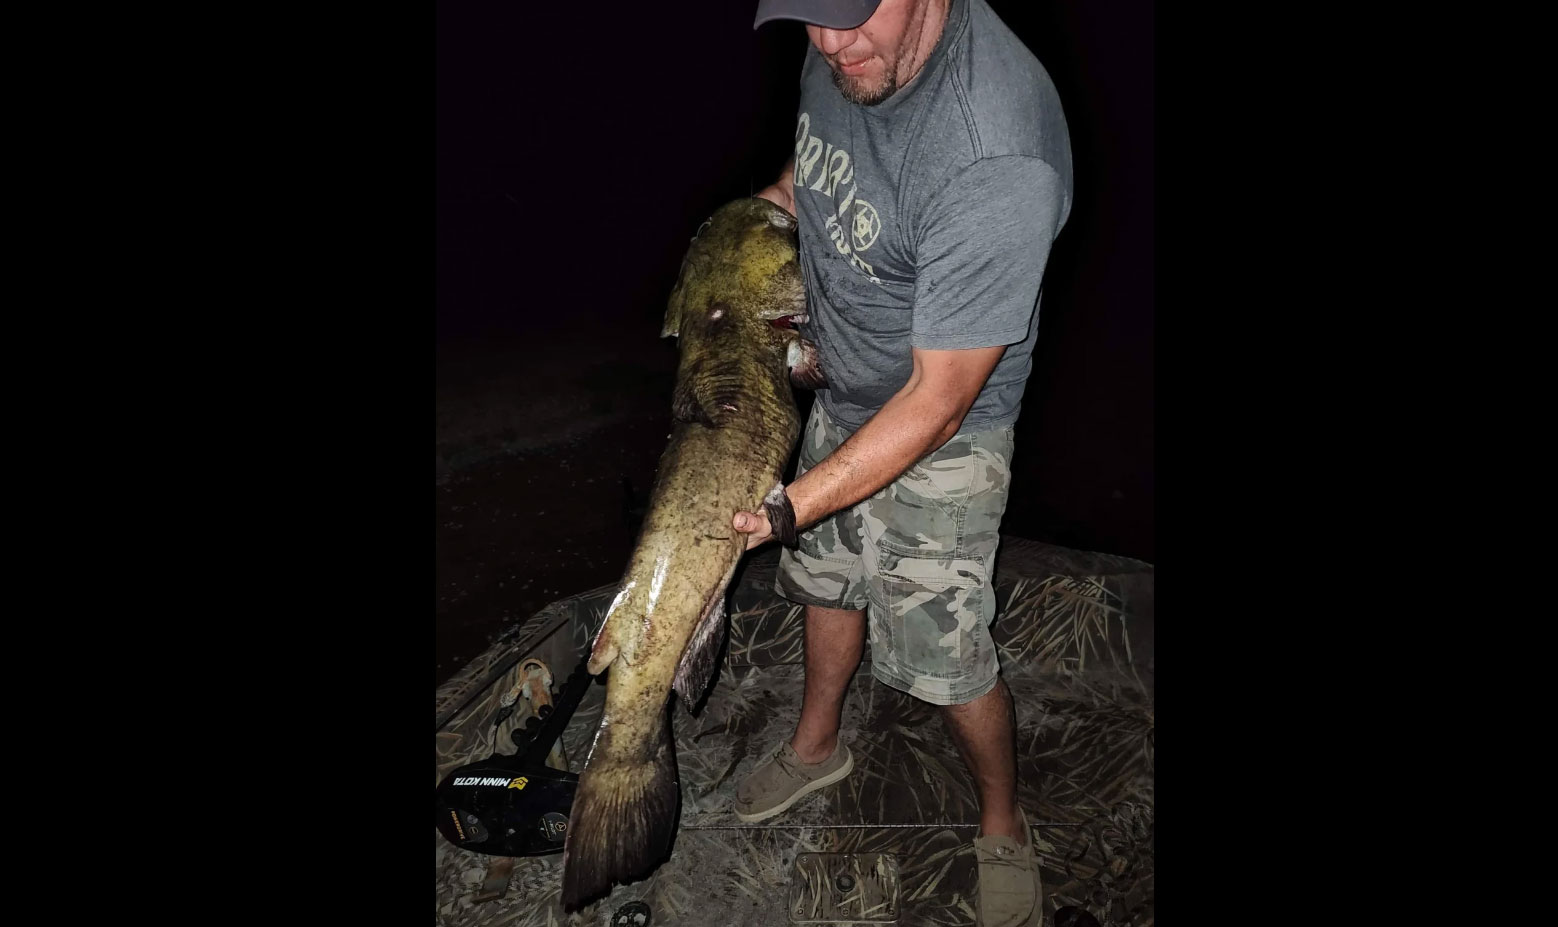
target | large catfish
x=734, y=425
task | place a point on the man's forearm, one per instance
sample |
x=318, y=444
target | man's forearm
x=782, y=191
x=911, y=424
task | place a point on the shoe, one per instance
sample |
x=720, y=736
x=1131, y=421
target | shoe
x=784, y=780
x=1010, y=893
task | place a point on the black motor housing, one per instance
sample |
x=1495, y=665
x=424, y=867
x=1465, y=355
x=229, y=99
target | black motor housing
x=506, y=806
x=515, y=805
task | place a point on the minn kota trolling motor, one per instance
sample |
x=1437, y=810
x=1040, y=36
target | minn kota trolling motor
x=516, y=805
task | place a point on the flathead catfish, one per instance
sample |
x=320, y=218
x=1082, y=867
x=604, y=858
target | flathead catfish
x=734, y=424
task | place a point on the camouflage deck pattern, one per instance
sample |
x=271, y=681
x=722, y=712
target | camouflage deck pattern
x=1075, y=634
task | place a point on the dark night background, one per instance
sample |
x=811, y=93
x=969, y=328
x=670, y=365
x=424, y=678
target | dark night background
x=577, y=152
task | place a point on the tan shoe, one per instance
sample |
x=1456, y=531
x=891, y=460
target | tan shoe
x=784, y=780
x=1010, y=893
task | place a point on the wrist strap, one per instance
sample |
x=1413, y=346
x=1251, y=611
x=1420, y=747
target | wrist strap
x=781, y=516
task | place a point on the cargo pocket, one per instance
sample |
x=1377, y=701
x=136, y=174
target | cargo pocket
x=933, y=609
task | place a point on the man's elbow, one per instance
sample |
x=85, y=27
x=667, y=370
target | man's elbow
x=951, y=428
x=934, y=404
x=950, y=411
x=948, y=383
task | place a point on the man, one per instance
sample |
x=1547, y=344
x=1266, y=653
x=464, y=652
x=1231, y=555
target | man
x=932, y=172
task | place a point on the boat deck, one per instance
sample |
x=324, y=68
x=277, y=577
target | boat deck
x=1075, y=633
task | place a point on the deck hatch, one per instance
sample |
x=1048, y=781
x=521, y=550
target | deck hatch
x=844, y=888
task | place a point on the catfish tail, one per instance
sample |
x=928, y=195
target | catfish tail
x=624, y=814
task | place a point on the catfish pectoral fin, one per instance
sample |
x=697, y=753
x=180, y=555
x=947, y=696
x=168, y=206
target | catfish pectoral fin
x=708, y=407
x=806, y=365
x=686, y=408
x=623, y=815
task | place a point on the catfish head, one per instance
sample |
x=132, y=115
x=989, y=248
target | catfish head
x=741, y=278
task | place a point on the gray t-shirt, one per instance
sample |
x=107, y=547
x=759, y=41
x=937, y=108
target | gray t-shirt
x=926, y=220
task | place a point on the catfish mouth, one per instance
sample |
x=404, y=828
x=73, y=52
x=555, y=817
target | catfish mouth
x=789, y=322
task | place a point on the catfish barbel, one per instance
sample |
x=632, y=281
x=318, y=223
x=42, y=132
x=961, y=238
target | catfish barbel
x=734, y=425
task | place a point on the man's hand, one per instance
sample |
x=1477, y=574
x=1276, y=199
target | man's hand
x=755, y=526
x=782, y=191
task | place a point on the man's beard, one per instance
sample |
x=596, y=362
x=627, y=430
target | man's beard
x=855, y=93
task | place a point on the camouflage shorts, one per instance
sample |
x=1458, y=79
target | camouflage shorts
x=918, y=557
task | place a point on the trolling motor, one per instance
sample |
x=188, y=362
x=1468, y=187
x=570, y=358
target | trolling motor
x=516, y=805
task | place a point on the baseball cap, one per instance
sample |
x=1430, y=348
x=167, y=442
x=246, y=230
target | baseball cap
x=830, y=14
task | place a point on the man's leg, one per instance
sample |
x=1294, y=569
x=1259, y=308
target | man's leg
x=814, y=757
x=931, y=541
x=835, y=642
x=985, y=732
x=825, y=568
